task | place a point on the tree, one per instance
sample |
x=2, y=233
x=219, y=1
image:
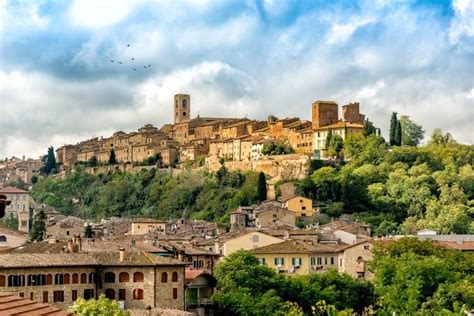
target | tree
x=369, y=128
x=101, y=306
x=92, y=162
x=34, y=179
x=49, y=162
x=261, y=187
x=438, y=138
x=272, y=118
x=398, y=134
x=328, y=138
x=11, y=221
x=412, y=133
x=393, y=127
x=112, y=158
x=88, y=232
x=38, y=232
x=336, y=145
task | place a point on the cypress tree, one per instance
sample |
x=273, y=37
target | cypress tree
x=38, y=232
x=88, y=232
x=398, y=134
x=112, y=159
x=393, y=128
x=328, y=138
x=261, y=187
x=49, y=162
x=369, y=128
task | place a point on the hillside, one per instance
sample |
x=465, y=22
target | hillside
x=398, y=189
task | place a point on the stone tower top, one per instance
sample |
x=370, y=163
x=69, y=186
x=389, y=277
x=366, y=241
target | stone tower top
x=182, y=108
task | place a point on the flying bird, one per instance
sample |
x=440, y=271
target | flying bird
x=111, y=61
x=128, y=45
x=133, y=58
x=134, y=69
x=120, y=62
x=149, y=66
x=144, y=66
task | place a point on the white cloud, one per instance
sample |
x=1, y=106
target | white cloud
x=463, y=22
x=341, y=32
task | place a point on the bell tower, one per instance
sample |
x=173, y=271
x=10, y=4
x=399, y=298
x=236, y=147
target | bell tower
x=182, y=107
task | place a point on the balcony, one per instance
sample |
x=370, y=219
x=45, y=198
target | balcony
x=199, y=302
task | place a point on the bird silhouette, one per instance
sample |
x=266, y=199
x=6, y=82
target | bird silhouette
x=134, y=69
x=133, y=58
x=111, y=61
x=144, y=66
x=149, y=66
x=120, y=62
x=128, y=45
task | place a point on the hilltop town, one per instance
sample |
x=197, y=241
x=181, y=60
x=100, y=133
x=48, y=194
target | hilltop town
x=241, y=141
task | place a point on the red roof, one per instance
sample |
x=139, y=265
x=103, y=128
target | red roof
x=12, y=304
x=12, y=190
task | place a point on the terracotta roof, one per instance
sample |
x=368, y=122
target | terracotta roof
x=147, y=220
x=20, y=260
x=340, y=125
x=191, y=275
x=12, y=190
x=287, y=198
x=10, y=231
x=135, y=258
x=463, y=246
x=11, y=304
x=297, y=246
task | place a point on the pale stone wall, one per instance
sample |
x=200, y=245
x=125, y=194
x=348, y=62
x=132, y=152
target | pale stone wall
x=268, y=217
x=247, y=242
x=349, y=260
x=141, y=228
x=300, y=205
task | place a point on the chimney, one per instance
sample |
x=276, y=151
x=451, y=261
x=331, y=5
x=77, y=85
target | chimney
x=121, y=254
x=180, y=256
x=70, y=246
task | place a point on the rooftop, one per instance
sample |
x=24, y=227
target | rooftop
x=297, y=246
x=12, y=304
x=339, y=125
x=12, y=190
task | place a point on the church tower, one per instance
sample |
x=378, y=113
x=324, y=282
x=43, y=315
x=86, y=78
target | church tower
x=182, y=108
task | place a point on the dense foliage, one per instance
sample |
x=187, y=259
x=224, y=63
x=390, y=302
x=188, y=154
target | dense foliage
x=248, y=288
x=101, y=306
x=413, y=276
x=153, y=192
x=399, y=189
x=277, y=148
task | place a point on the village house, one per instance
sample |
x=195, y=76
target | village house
x=19, y=207
x=299, y=205
x=142, y=226
x=245, y=240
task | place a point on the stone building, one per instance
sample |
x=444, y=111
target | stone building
x=134, y=278
x=301, y=206
x=19, y=207
x=142, y=226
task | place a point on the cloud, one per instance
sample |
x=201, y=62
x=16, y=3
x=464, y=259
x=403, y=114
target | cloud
x=234, y=58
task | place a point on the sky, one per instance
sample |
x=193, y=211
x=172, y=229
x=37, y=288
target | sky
x=235, y=58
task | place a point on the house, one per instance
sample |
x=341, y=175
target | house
x=19, y=206
x=246, y=240
x=11, y=238
x=200, y=287
x=300, y=205
x=144, y=226
x=297, y=257
x=134, y=278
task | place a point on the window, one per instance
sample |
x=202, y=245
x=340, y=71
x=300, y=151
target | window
x=88, y=294
x=124, y=277
x=83, y=278
x=332, y=260
x=255, y=238
x=49, y=279
x=184, y=113
x=67, y=278
x=2, y=280
x=45, y=296
x=325, y=260
x=184, y=103
x=3, y=238
x=92, y=278
x=313, y=261
x=137, y=294
x=340, y=262
x=110, y=294
x=32, y=296
x=58, y=296
x=21, y=294
x=279, y=261
x=296, y=262
x=16, y=280
x=303, y=208
x=164, y=277
x=261, y=261
x=198, y=264
x=75, y=278
x=109, y=277
x=122, y=294
x=138, y=277
x=74, y=295
x=366, y=247
x=58, y=278
x=174, y=277
x=175, y=293
x=320, y=261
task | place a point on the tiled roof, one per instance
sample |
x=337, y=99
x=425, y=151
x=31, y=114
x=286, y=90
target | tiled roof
x=340, y=125
x=12, y=190
x=10, y=231
x=297, y=246
x=11, y=304
x=147, y=220
x=20, y=260
x=463, y=246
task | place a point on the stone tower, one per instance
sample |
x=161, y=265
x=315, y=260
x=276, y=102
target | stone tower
x=182, y=107
x=324, y=113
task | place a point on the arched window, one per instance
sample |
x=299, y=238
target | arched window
x=2, y=280
x=138, y=277
x=92, y=277
x=75, y=278
x=67, y=278
x=110, y=294
x=109, y=277
x=83, y=278
x=174, y=277
x=184, y=103
x=137, y=294
x=58, y=278
x=164, y=277
x=40, y=279
x=16, y=280
x=124, y=277
x=49, y=279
